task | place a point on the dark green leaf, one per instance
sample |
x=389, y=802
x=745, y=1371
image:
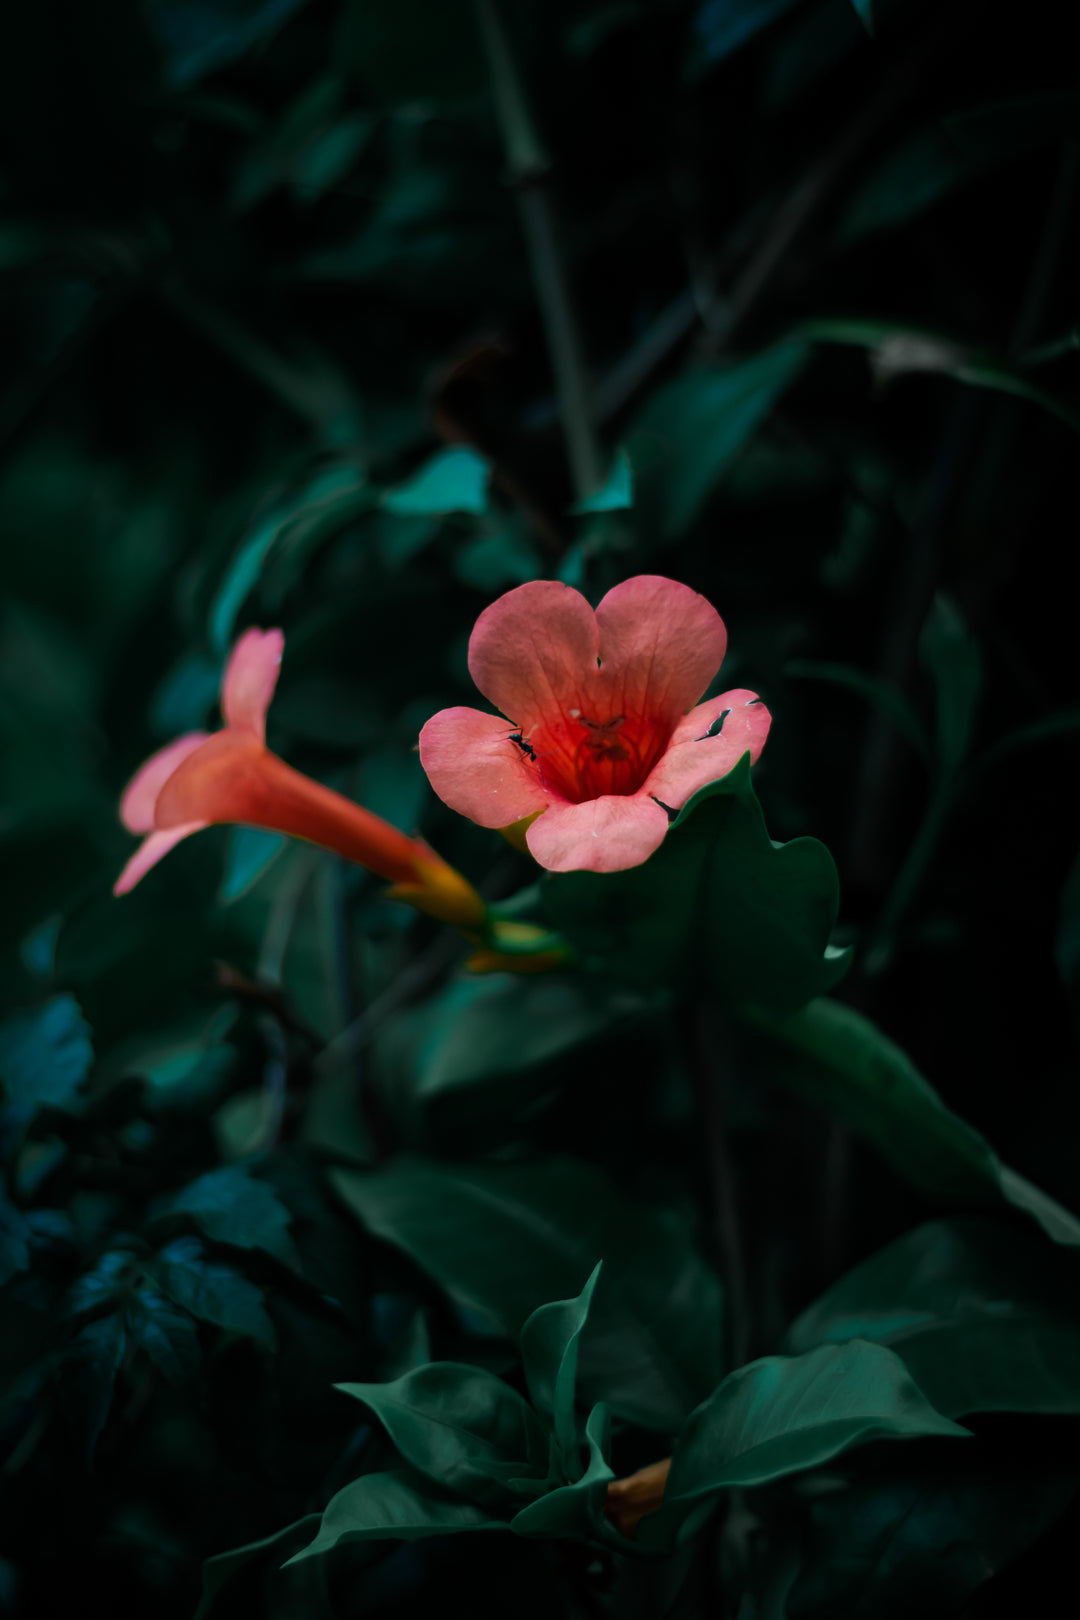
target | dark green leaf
x=550, y=1342
x=722, y=26
x=213, y=1292
x=922, y=1539
x=14, y=1235
x=693, y=427
x=842, y=1062
x=783, y=1415
x=951, y=654
x=982, y=1315
x=718, y=903
x=167, y=1335
x=219, y=1570
x=400, y=1505
x=95, y=1355
x=231, y=1207
x=617, y=492
x=251, y=853
x=462, y=1427
x=879, y=692
x=576, y=1510
x=454, y=480
x=480, y=1030
x=45, y=1055
x=503, y=1239
x=197, y=36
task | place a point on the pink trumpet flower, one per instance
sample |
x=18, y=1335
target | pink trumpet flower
x=594, y=744
x=231, y=776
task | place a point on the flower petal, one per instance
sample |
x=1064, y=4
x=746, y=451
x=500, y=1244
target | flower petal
x=600, y=835
x=476, y=769
x=531, y=651
x=150, y=851
x=694, y=757
x=660, y=644
x=250, y=678
x=233, y=778
x=140, y=795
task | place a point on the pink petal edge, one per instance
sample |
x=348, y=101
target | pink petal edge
x=608, y=834
x=475, y=768
x=251, y=676
x=693, y=758
x=150, y=851
x=530, y=651
x=141, y=793
x=661, y=644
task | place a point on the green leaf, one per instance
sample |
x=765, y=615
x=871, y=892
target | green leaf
x=694, y=427
x=865, y=12
x=399, y=1505
x=576, y=1511
x=198, y=36
x=722, y=27
x=922, y=1539
x=978, y=1311
x=213, y=1292
x=503, y=1239
x=14, y=1240
x=412, y=50
x=898, y=349
x=550, y=1341
x=617, y=492
x=251, y=852
x=231, y=1207
x=219, y=1571
x=453, y=480
x=320, y=508
x=950, y=652
x=786, y=1414
x=719, y=905
x=94, y=1360
x=168, y=1336
x=839, y=1060
x=873, y=689
x=462, y=1427
x=482, y=1030
x=45, y=1055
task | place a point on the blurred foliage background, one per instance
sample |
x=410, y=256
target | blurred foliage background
x=275, y=353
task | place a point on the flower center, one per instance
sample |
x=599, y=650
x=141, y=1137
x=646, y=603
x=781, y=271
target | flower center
x=585, y=756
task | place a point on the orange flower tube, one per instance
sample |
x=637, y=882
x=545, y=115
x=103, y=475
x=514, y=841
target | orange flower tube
x=231, y=776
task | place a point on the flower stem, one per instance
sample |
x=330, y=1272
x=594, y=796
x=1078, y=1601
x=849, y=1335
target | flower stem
x=529, y=166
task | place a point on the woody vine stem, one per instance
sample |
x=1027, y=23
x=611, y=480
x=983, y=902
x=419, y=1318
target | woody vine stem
x=529, y=167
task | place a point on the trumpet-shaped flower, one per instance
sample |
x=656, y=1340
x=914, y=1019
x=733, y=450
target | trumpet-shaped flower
x=231, y=776
x=598, y=737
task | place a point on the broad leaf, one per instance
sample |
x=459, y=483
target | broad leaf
x=503, y=1239
x=920, y=1540
x=550, y=1343
x=399, y=1505
x=231, y=1207
x=45, y=1055
x=167, y=1334
x=576, y=1510
x=983, y=1315
x=839, y=1060
x=786, y=1414
x=218, y=1572
x=691, y=429
x=719, y=906
x=453, y=480
x=461, y=1426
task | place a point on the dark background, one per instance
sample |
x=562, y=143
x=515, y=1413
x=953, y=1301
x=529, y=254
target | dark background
x=257, y=257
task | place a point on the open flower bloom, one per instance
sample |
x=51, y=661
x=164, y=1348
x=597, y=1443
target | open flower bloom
x=594, y=742
x=231, y=776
